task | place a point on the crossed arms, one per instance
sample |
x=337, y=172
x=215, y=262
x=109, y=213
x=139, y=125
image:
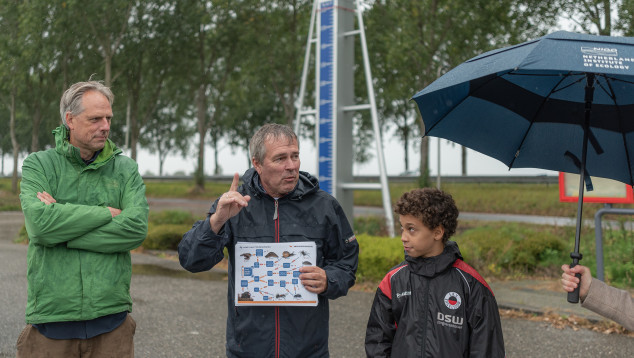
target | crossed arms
x=95, y=228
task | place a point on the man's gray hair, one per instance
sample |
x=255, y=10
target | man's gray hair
x=271, y=131
x=71, y=99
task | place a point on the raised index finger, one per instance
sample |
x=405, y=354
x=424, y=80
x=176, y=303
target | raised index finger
x=235, y=182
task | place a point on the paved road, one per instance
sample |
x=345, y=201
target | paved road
x=183, y=315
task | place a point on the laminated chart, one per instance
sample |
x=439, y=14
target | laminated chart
x=267, y=274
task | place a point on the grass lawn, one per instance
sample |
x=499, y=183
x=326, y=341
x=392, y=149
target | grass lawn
x=527, y=199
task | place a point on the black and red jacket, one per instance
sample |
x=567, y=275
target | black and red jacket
x=434, y=307
x=305, y=214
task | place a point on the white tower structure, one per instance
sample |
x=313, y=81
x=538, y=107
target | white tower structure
x=332, y=31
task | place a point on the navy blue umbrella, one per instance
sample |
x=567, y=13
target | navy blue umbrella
x=563, y=102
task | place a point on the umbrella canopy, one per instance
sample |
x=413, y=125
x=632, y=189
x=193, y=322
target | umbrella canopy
x=525, y=105
x=563, y=102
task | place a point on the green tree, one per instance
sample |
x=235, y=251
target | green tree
x=265, y=85
x=168, y=132
x=210, y=39
x=5, y=138
x=154, y=53
x=74, y=61
x=274, y=40
x=625, y=23
x=248, y=107
x=107, y=26
x=427, y=38
x=590, y=16
x=40, y=71
x=10, y=59
x=275, y=37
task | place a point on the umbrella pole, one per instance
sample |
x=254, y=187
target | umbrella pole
x=576, y=256
x=573, y=297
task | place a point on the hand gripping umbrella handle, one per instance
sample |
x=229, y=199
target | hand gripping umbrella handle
x=573, y=297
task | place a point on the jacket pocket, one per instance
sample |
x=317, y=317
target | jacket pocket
x=23, y=334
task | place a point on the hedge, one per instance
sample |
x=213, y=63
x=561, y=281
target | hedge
x=165, y=236
x=377, y=255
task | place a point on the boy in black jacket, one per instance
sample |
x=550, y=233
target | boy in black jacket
x=432, y=304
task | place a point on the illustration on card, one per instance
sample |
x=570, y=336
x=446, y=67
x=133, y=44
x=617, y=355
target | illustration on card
x=268, y=274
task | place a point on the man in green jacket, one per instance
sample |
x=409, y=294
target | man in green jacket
x=85, y=208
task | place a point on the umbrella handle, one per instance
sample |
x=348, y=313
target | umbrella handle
x=573, y=297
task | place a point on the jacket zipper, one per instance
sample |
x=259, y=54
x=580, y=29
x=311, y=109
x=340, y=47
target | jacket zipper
x=427, y=318
x=276, y=220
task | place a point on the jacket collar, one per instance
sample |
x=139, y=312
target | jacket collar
x=63, y=146
x=306, y=185
x=432, y=266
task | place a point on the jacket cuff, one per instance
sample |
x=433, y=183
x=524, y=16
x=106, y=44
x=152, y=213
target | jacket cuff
x=334, y=285
x=592, y=292
x=206, y=228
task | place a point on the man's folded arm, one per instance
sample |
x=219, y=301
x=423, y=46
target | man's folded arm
x=125, y=231
x=52, y=224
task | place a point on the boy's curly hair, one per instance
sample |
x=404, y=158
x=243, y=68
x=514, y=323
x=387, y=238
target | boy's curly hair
x=431, y=206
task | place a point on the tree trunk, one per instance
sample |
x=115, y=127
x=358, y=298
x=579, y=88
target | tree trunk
x=161, y=162
x=35, y=133
x=134, y=95
x=14, y=143
x=248, y=141
x=607, y=30
x=108, y=70
x=65, y=70
x=127, y=125
x=162, y=153
x=202, y=130
x=133, y=138
x=214, y=143
x=423, y=179
x=406, y=146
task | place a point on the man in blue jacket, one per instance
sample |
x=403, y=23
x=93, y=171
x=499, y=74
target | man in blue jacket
x=277, y=203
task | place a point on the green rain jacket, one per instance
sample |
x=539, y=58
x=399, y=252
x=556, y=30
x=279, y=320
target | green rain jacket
x=79, y=265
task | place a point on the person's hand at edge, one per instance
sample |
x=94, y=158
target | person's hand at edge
x=114, y=211
x=46, y=198
x=314, y=279
x=229, y=205
x=569, y=282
